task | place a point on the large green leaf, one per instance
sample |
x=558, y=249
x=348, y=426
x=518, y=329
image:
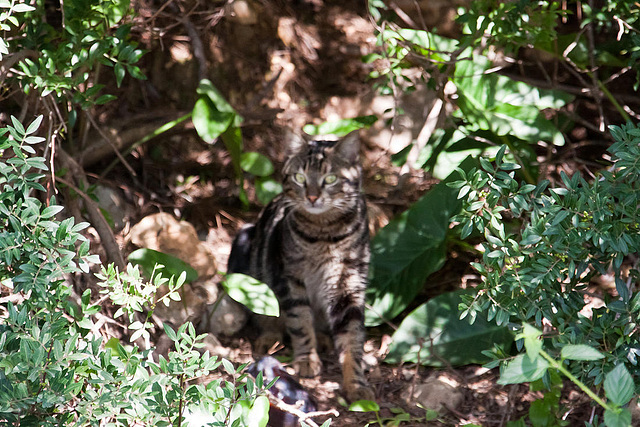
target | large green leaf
x=503, y=105
x=209, y=122
x=619, y=386
x=148, y=258
x=256, y=164
x=409, y=249
x=340, y=127
x=434, y=334
x=251, y=293
x=212, y=114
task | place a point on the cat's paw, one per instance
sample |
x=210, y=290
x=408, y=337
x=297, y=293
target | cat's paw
x=308, y=365
x=356, y=392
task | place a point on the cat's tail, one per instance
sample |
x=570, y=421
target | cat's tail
x=239, y=259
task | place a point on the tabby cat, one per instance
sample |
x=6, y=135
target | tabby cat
x=311, y=246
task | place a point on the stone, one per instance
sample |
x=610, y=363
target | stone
x=162, y=232
x=437, y=393
x=227, y=318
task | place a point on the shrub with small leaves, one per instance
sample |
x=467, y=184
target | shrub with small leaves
x=544, y=246
x=55, y=367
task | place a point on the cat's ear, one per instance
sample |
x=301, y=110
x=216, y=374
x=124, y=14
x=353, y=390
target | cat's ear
x=348, y=147
x=295, y=143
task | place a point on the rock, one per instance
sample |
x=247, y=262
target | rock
x=214, y=347
x=437, y=393
x=243, y=12
x=225, y=319
x=162, y=232
x=114, y=205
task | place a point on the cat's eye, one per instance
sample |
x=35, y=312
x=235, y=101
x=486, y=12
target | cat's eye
x=330, y=179
x=300, y=178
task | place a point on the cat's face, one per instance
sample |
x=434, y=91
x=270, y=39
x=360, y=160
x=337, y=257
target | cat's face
x=322, y=175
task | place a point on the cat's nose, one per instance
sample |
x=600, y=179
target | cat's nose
x=312, y=199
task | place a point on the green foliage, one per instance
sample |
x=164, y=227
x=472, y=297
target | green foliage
x=168, y=265
x=55, y=367
x=213, y=118
x=545, y=412
x=434, y=335
x=399, y=415
x=619, y=386
x=261, y=168
x=340, y=127
x=35, y=250
x=565, y=236
x=406, y=251
x=251, y=293
x=8, y=20
x=134, y=294
x=491, y=108
x=61, y=60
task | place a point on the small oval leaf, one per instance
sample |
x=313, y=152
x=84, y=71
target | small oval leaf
x=580, y=352
x=256, y=164
x=252, y=293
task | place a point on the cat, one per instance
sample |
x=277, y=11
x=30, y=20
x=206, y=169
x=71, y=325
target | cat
x=310, y=244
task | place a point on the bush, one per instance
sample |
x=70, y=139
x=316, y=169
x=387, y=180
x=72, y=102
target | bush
x=55, y=366
x=543, y=247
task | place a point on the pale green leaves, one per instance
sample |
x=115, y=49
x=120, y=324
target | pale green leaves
x=340, y=127
x=6, y=15
x=212, y=114
x=522, y=369
x=251, y=293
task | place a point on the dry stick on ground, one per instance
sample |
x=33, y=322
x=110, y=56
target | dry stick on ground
x=93, y=210
x=294, y=410
x=113, y=146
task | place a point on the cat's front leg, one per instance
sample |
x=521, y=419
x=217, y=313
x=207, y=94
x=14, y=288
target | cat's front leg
x=298, y=318
x=347, y=325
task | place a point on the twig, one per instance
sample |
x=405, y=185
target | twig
x=302, y=416
x=198, y=48
x=108, y=139
x=93, y=210
x=370, y=307
x=593, y=72
x=415, y=376
x=146, y=138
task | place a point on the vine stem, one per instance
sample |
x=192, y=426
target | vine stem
x=555, y=364
x=613, y=100
x=162, y=129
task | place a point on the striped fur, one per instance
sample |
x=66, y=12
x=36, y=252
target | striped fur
x=311, y=246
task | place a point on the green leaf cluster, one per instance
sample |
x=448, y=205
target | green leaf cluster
x=491, y=108
x=55, y=367
x=213, y=118
x=542, y=248
x=63, y=59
